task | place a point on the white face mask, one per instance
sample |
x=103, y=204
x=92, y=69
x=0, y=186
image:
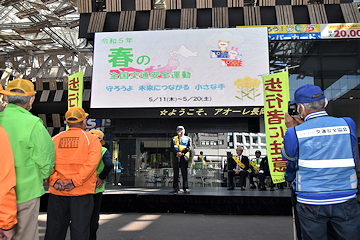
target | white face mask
x=30, y=107
x=298, y=110
x=31, y=103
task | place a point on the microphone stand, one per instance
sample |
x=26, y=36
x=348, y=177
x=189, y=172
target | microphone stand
x=179, y=149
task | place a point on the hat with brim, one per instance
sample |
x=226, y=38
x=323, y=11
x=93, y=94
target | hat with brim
x=179, y=127
x=25, y=86
x=308, y=93
x=99, y=134
x=75, y=115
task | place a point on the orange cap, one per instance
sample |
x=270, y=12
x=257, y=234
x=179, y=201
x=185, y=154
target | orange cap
x=20, y=84
x=99, y=134
x=75, y=114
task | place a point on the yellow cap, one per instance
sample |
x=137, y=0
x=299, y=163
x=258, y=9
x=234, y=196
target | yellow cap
x=75, y=114
x=19, y=84
x=2, y=92
x=99, y=134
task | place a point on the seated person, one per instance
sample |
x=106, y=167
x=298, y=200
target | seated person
x=238, y=166
x=202, y=158
x=263, y=172
x=254, y=167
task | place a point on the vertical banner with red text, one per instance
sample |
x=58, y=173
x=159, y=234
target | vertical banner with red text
x=276, y=98
x=115, y=151
x=75, y=90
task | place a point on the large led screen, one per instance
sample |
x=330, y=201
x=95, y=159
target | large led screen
x=179, y=68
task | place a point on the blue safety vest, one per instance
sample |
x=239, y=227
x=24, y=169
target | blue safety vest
x=183, y=143
x=326, y=173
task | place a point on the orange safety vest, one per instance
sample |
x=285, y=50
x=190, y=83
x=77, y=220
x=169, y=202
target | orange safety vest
x=77, y=155
x=8, y=206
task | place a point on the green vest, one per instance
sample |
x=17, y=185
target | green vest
x=99, y=170
x=33, y=148
x=257, y=162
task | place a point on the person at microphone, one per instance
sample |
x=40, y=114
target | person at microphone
x=181, y=147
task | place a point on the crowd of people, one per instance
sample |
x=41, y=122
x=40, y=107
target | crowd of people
x=319, y=150
x=73, y=162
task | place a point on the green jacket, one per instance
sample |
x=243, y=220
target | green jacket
x=34, y=153
x=99, y=170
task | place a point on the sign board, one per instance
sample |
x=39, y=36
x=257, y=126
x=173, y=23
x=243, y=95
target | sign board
x=311, y=31
x=75, y=90
x=179, y=68
x=276, y=94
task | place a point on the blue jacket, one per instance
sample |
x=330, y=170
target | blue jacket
x=324, y=150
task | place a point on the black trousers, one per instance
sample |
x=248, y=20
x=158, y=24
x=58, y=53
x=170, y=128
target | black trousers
x=262, y=177
x=94, y=223
x=242, y=174
x=183, y=166
x=251, y=176
x=62, y=210
x=296, y=216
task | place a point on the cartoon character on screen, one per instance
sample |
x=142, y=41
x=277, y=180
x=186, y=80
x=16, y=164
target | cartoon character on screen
x=223, y=45
x=233, y=60
x=233, y=54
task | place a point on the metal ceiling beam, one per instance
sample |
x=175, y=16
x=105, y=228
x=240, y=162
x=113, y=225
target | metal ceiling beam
x=48, y=30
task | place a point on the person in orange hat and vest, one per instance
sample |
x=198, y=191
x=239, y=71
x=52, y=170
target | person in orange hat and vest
x=73, y=181
x=7, y=191
x=34, y=155
x=103, y=169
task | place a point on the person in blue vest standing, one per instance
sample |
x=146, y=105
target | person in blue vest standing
x=323, y=148
x=181, y=147
x=103, y=169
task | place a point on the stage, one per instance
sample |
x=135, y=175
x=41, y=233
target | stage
x=207, y=200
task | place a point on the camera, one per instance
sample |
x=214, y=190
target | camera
x=292, y=109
